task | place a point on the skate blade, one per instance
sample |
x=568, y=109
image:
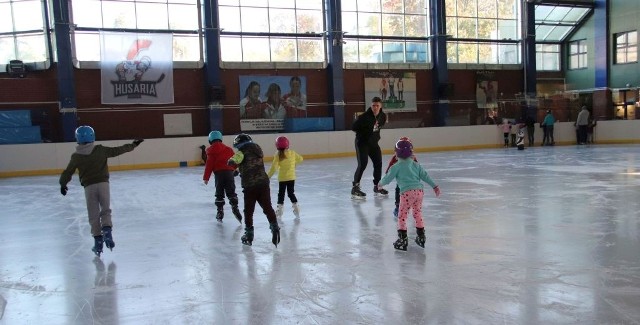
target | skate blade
x=380, y=195
x=357, y=197
x=219, y=220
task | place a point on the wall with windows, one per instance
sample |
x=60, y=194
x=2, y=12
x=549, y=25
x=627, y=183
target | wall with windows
x=624, y=19
x=581, y=78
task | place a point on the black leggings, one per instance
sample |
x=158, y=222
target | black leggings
x=363, y=153
x=289, y=186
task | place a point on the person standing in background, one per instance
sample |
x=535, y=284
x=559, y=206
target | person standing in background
x=367, y=128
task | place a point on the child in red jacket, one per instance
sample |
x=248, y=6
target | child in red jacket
x=217, y=156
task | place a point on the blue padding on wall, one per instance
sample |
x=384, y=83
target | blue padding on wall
x=25, y=134
x=15, y=118
x=308, y=124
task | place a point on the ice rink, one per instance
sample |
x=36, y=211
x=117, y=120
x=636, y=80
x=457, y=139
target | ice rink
x=548, y=235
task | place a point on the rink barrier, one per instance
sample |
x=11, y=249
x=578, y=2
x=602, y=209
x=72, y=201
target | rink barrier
x=51, y=158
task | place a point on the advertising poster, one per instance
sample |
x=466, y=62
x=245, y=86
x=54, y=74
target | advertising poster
x=136, y=68
x=265, y=101
x=396, y=89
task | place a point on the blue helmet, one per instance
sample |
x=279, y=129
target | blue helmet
x=241, y=139
x=85, y=134
x=215, y=135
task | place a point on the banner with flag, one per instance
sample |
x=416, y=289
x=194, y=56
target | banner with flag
x=136, y=68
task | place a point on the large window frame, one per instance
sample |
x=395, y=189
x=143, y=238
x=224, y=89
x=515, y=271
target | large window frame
x=578, y=54
x=24, y=39
x=626, y=47
x=379, y=31
x=548, y=57
x=483, y=32
x=258, y=24
x=181, y=18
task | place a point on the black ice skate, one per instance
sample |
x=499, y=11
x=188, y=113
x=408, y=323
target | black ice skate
x=108, y=239
x=420, y=239
x=275, y=234
x=236, y=213
x=356, y=193
x=380, y=192
x=97, y=246
x=247, y=238
x=402, y=242
x=219, y=215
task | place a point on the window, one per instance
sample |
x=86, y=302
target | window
x=21, y=38
x=626, y=47
x=494, y=23
x=271, y=31
x=578, y=54
x=548, y=57
x=381, y=31
x=178, y=17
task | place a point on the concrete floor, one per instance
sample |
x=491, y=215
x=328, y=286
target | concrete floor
x=549, y=235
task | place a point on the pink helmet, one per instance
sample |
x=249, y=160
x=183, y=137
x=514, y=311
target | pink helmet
x=282, y=143
x=404, y=149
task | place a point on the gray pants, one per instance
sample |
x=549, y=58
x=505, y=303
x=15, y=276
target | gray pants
x=98, y=206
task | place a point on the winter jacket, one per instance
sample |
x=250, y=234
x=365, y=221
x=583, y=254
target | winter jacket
x=218, y=154
x=91, y=161
x=367, y=127
x=408, y=174
x=548, y=120
x=249, y=159
x=394, y=160
x=286, y=167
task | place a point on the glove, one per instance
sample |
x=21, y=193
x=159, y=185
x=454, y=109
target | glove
x=231, y=162
x=137, y=142
x=436, y=190
x=63, y=190
x=236, y=172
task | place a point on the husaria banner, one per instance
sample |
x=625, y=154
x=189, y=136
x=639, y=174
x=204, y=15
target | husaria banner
x=136, y=68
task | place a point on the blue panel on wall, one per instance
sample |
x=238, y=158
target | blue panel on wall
x=17, y=135
x=15, y=118
x=308, y=124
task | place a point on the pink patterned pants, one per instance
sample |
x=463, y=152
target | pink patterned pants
x=411, y=199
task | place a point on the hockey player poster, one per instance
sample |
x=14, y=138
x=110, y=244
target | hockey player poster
x=136, y=68
x=265, y=101
x=487, y=92
x=396, y=89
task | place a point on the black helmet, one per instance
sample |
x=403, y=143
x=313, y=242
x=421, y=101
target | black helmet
x=241, y=139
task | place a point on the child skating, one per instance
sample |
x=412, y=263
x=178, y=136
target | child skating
x=393, y=160
x=255, y=184
x=91, y=162
x=284, y=162
x=218, y=154
x=409, y=175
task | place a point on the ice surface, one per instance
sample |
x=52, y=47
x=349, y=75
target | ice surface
x=547, y=235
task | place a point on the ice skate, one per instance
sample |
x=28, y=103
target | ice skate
x=379, y=192
x=296, y=210
x=247, y=238
x=97, y=246
x=220, y=215
x=236, y=213
x=420, y=239
x=402, y=242
x=279, y=210
x=108, y=239
x=356, y=193
x=275, y=234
